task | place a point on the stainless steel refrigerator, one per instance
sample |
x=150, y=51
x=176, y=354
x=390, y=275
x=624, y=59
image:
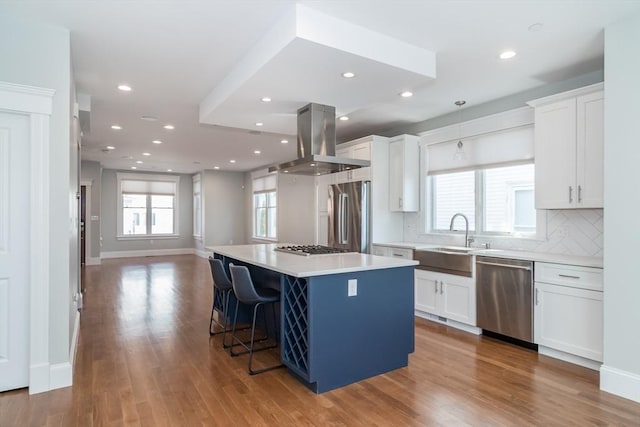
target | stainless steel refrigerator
x=349, y=216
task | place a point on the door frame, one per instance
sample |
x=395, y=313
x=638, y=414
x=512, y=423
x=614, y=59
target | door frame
x=37, y=103
x=89, y=259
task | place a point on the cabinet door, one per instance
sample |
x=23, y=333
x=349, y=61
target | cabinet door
x=569, y=320
x=590, y=150
x=459, y=300
x=555, y=154
x=426, y=292
x=343, y=152
x=361, y=151
x=380, y=250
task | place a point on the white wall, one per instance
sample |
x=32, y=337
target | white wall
x=92, y=171
x=111, y=245
x=223, y=201
x=40, y=55
x=620, y=373
x=296, y=209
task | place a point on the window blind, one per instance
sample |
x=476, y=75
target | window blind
x=265, y=183
x=148, y=187
x=508, y=147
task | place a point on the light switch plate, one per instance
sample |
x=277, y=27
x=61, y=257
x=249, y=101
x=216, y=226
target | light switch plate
x=353, y=288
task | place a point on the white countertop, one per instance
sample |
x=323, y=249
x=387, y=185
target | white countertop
x=583, y=261
x=263, y=255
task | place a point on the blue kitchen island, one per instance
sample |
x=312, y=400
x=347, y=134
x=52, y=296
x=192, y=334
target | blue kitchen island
x=344, y=317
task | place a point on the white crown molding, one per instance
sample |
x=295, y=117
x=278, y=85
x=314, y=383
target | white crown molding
x=26, y=99
x=566, y=95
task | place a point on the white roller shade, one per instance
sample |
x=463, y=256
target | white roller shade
x=265, y=183
x=508, y=147
x=148, y=187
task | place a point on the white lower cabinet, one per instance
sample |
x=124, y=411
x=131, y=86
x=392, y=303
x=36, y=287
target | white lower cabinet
x=568, y=317
x=446, y=295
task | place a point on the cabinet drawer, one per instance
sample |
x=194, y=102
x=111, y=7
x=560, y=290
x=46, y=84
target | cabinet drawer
x=401, y=253
x=569, y=275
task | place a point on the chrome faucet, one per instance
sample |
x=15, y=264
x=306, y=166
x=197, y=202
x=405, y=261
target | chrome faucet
x=467, y=240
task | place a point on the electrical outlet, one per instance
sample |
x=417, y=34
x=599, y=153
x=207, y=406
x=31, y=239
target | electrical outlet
x=353, y=288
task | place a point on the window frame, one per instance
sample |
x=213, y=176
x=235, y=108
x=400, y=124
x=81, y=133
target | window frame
x=427, y=219
x=267, y=207
x=197, y=213
x=175, y=179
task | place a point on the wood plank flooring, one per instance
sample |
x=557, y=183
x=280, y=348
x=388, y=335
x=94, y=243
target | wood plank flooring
x=145, y=358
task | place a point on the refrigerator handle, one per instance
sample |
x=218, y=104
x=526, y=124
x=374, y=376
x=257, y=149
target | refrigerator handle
x=343, y=236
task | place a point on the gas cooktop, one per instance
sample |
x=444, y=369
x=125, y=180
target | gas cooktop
x=306, y=250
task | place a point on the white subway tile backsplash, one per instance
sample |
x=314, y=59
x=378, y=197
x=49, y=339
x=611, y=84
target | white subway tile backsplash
x=569, y=232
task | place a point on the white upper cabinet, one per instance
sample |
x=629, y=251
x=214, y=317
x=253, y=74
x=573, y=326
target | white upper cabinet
x=568, y=149
x=404, y=174
x=359, y=150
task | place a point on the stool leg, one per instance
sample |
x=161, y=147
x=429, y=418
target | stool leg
x=269, y=368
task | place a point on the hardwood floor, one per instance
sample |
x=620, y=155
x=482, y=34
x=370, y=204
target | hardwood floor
x=145, y=358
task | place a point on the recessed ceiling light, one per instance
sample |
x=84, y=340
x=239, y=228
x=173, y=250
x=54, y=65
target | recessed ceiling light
x=146, y=154
x=343, y=118
x=256, y=152
x=286, y=171
x=169, y=170
x=232, y=161
x=157, y=141
x=216, y=167
x=259, y=124
x=149, y=118
x=124, y=88
x=116, y=127
x=284, y=141
x=110, y=147
x=312, y=164
x=169, y=127
x=406, y=94
x=133, y=167
x=348, y=75
x=507, y=54
x=266, y=99
x=139, y=162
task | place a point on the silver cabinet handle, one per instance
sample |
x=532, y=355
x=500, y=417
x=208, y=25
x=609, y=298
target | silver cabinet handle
x=568, y=276
x=570, y=194
x=400, y=202
x=435, y=288
x=496, y=264
x=398, y=255
x=537, y=296
x=441, y=287
x=579, y=194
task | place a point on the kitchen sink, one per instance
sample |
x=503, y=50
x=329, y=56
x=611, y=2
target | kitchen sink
x=458, y=261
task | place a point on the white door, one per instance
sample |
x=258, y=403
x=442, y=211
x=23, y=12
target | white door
x=14, y=251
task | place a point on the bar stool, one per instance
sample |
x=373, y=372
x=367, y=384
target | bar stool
x=247, y=293
x=222, y=289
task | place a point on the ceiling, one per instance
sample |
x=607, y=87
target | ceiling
x=204, y=65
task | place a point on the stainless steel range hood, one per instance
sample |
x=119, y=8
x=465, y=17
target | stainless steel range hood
x=317, y=144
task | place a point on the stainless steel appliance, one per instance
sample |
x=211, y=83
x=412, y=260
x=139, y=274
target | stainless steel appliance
x=307, y=250
x=317, y=144
x=504, y=291
x=349, y=207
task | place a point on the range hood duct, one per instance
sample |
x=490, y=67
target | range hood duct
x=317, y=144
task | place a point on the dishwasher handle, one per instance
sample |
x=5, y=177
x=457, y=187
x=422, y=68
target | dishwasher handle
x=496, y=264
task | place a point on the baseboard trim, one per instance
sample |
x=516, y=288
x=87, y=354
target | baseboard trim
x=92, y=261
x=201, y=254
x=571, y=358
x=39, y=378
x=619, y=382
x=74, y=340
x=60, y=375
x=444, y=321
x=151, y=252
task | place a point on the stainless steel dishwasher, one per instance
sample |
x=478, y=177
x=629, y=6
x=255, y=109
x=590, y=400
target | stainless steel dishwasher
x=504, y=291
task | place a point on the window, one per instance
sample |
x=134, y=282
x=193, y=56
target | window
x=265, y=207
x=496, y=200
x=197, y=206
x=147, y=205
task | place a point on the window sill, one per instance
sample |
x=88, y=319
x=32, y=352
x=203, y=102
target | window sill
x=148, y=237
